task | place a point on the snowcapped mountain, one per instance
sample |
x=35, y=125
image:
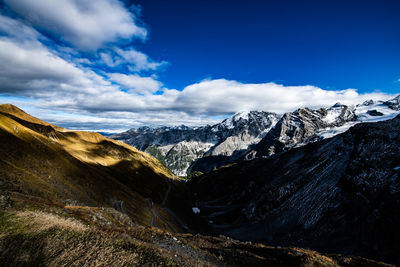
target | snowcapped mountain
x=178, y=147
x=306, y=125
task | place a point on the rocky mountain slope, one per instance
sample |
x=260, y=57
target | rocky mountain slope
x=178, y=147
x=77, y=198
x=339, y=195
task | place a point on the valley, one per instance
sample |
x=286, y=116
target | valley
x=108, y=198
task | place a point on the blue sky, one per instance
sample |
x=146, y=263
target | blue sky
x=110, y=65
x=330, y=44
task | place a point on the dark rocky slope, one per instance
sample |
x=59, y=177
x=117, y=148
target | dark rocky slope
x=301, y=127
x=339, y=195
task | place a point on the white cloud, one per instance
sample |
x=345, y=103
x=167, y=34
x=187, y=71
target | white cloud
x=26, y=64
x=17, y=30
x=135, y=83
x=121, y=121
x=138, y=61
x=29, y=69
x=85, y=23
x=226, y=96
x=134, y=60
x=109, y=60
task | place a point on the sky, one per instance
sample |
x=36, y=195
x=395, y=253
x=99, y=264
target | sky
x=111, y=65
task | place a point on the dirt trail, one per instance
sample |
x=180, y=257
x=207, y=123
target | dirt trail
x=166, y=194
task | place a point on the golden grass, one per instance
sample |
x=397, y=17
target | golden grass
x=77, y=143
x=41, y=221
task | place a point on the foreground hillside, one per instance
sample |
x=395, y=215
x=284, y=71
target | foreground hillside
x=58, y=238
x=77, y=198
x=86, y=169
x=339, y=195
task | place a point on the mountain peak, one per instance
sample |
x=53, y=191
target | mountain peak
x=244, y=114
x=368, y=102
x=393, y=103
x=337, y=105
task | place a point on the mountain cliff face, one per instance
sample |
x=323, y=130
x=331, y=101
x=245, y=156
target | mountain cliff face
x=304, y=125
x=301, y=127
x=339, y=195
x=179, y=147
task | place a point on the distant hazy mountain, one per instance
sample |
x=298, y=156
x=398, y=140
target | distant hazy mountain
x=178, y=147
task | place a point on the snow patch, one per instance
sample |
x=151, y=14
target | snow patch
x=333, y=114
x=196, y=210
x=361, y=112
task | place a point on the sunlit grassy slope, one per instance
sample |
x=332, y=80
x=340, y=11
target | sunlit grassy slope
x=79, y=168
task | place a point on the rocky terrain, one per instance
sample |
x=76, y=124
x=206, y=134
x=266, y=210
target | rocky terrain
x=80, y=199
x=178, y=147
x=339, y=195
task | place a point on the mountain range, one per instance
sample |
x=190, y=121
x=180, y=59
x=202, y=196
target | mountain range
x=246, y=135
x=179, y=147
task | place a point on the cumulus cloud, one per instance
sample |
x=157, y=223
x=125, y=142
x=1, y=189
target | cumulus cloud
x=227, y=96
x=138, y=61
x=86, y=24
x=29, y=67
x=133, y=60
x=17, y=30
x=121, y=121
x=135, y=83
x=110, y=60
